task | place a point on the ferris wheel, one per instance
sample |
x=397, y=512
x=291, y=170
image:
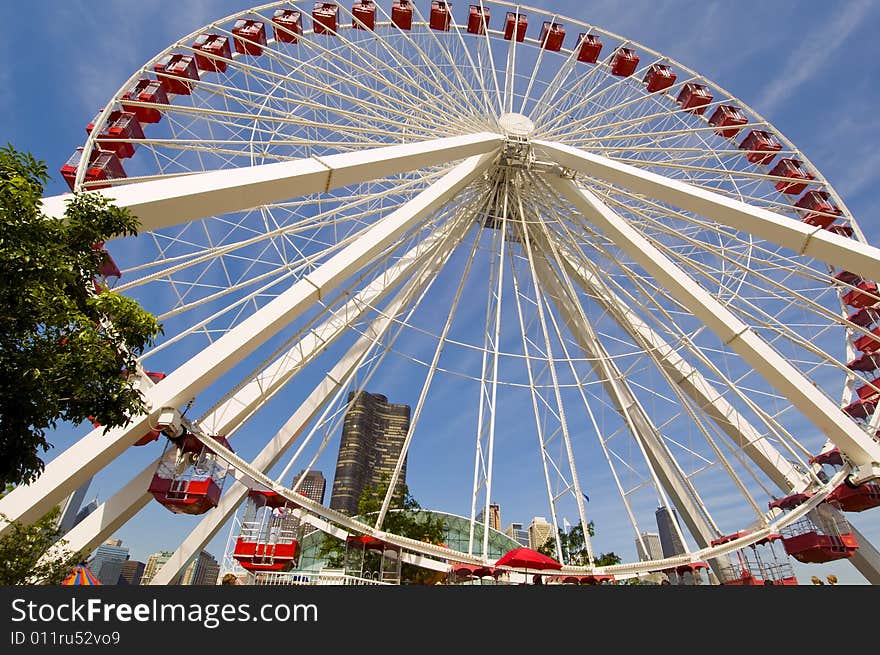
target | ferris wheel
x=597, y=278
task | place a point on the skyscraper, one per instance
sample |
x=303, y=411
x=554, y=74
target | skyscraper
x=372, y=438
x=131, y=573
x=202, y=570
x=670, y=542
x=494, y=517
x=539, y=532
x=518, y=533
x=71, y=507
x=154, y=563
x=651, y=549
x=312, y=487
x=107, y=561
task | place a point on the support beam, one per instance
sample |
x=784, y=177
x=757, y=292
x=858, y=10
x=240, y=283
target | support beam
x=693, y=383
x=670, y=476
x=786, y=231
x=96, y=450
x=166, y=202
x=292, y=429
x=234, y=412
x=863, y=451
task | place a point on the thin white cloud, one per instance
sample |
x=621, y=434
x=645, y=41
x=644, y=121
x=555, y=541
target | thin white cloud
x=814, y=51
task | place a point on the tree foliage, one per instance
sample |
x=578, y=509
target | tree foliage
x=574, y=547
x=23, y=546
x=405, y=517
x=65, y=341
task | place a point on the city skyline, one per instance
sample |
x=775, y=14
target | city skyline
x=770, y=82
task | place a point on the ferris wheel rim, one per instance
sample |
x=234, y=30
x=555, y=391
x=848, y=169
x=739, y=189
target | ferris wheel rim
x=92, y=139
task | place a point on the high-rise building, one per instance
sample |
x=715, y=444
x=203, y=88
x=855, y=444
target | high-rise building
x=202, y=570
x=155, y=562
x=312, y=485
x=518, y=533
x=494, y=517
x=71, y=507
x=372, y=438
x=539, y=532
x=84, y=511
x=107, y=560
x=648, y=546
x=132, y=572
x=670, y=542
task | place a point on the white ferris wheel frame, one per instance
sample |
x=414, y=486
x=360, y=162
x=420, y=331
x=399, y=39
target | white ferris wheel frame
x=164, y=202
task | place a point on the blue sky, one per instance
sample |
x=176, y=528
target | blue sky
x=808, y=67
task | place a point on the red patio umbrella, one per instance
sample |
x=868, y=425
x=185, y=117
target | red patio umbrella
x=526, y=558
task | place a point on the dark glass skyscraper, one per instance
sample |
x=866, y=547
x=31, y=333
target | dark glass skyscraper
x=372, y=438
x=669, y=539
x=312, y=486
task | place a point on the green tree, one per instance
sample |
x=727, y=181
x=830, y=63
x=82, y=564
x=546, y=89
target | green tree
x=574, y=547
x=65, y=341
x=405, y=517
x=23, y=546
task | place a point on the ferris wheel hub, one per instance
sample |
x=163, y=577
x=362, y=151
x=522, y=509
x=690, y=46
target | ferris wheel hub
x=516, y=125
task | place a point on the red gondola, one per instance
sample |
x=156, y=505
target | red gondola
x=728, y=117
x=658, y=78
x=441, y=15
x=624, y=62
x=103, y=165
x=868, y=361
x=757, y=564
x=864, y=295
x=817, y=209
x=363, y=15
x=590, y=46
x=552, y=36
x=860, y=409
x=324, y=17
x=842, y=230
x=189, y=478
x=694, y=97
x=147, y=91
x=868, y=343
x=478, y=19
x=688, y=574
x=369, y=557
x=831, y=457
x=515, y=26
x=287, y=25
x=177, y=73
x=215, y=45
x=402, y=14
x=267, y=538
x=250, y=37
x=119, y=125
x=817, y=537
x=761, y=146
x=856, y=498
x=791, y=168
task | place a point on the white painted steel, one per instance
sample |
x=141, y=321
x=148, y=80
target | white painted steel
x=162, y=203
x=800, y=238
x=825, y=415
x=288, y=161
x=96, y=450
